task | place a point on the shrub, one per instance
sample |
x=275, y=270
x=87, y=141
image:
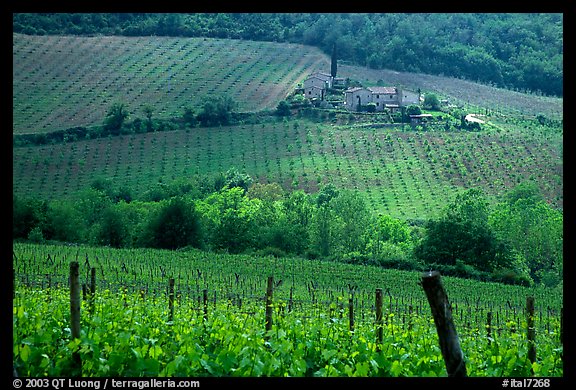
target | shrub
x=283, y=108
x=115, y=119
x=271, y=251
x=406, y=264
x=508, y=276
x=176, y=225
x=413, y=110
x=370, y=107
x=26, y=215
x=36, y=235
x=431, y=102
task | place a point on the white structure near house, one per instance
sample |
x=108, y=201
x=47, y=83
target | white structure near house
x=391, y=98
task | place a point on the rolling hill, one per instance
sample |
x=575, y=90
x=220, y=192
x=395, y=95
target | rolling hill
x=463, y=92
x=61, y=82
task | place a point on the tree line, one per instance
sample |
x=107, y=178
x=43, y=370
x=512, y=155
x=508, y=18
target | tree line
x=516, y=51
x=214, y=111
x=518, y=240
x=222, y=111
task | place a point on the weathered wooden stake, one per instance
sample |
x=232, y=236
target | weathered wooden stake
x=531, y=330
x=379, y=330
x=75, y=315
x=92, y=289
x=351, y=311
x=442, y=313
x=205, y=301
x=171, y=299
x=489, y=326
x=269, y=290
x=92, y=280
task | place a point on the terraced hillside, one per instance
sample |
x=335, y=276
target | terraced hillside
x=66, y=81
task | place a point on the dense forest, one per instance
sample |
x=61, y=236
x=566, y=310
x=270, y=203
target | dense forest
x=517, y=51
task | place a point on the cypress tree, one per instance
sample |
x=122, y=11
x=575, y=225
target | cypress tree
x=334, y=65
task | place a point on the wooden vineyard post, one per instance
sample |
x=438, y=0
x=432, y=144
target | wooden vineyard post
x=489, y=326
x=92, y=289
x=531, y=330
x=92, y=281
x=269, y=290
x=442, y=313
x=205, y=301
x=171, y=299
x=379, y=330
x=75, y=315
x=351, y=310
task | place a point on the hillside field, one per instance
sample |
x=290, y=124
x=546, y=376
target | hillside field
x=463, y=92
x=61, y=82
x=406, y=174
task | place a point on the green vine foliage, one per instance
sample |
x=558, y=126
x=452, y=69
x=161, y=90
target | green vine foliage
x=129, y=330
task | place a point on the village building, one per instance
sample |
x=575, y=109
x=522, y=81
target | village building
x=315, y=92
x=317, y=84
x=391, y=98
x=419, y=119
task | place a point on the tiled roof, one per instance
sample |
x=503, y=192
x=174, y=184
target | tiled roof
x=320, y=75
x=354, y=89
x=383, y=90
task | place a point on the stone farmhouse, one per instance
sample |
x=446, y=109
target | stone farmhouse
x=391, y=98
x=317, y=85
